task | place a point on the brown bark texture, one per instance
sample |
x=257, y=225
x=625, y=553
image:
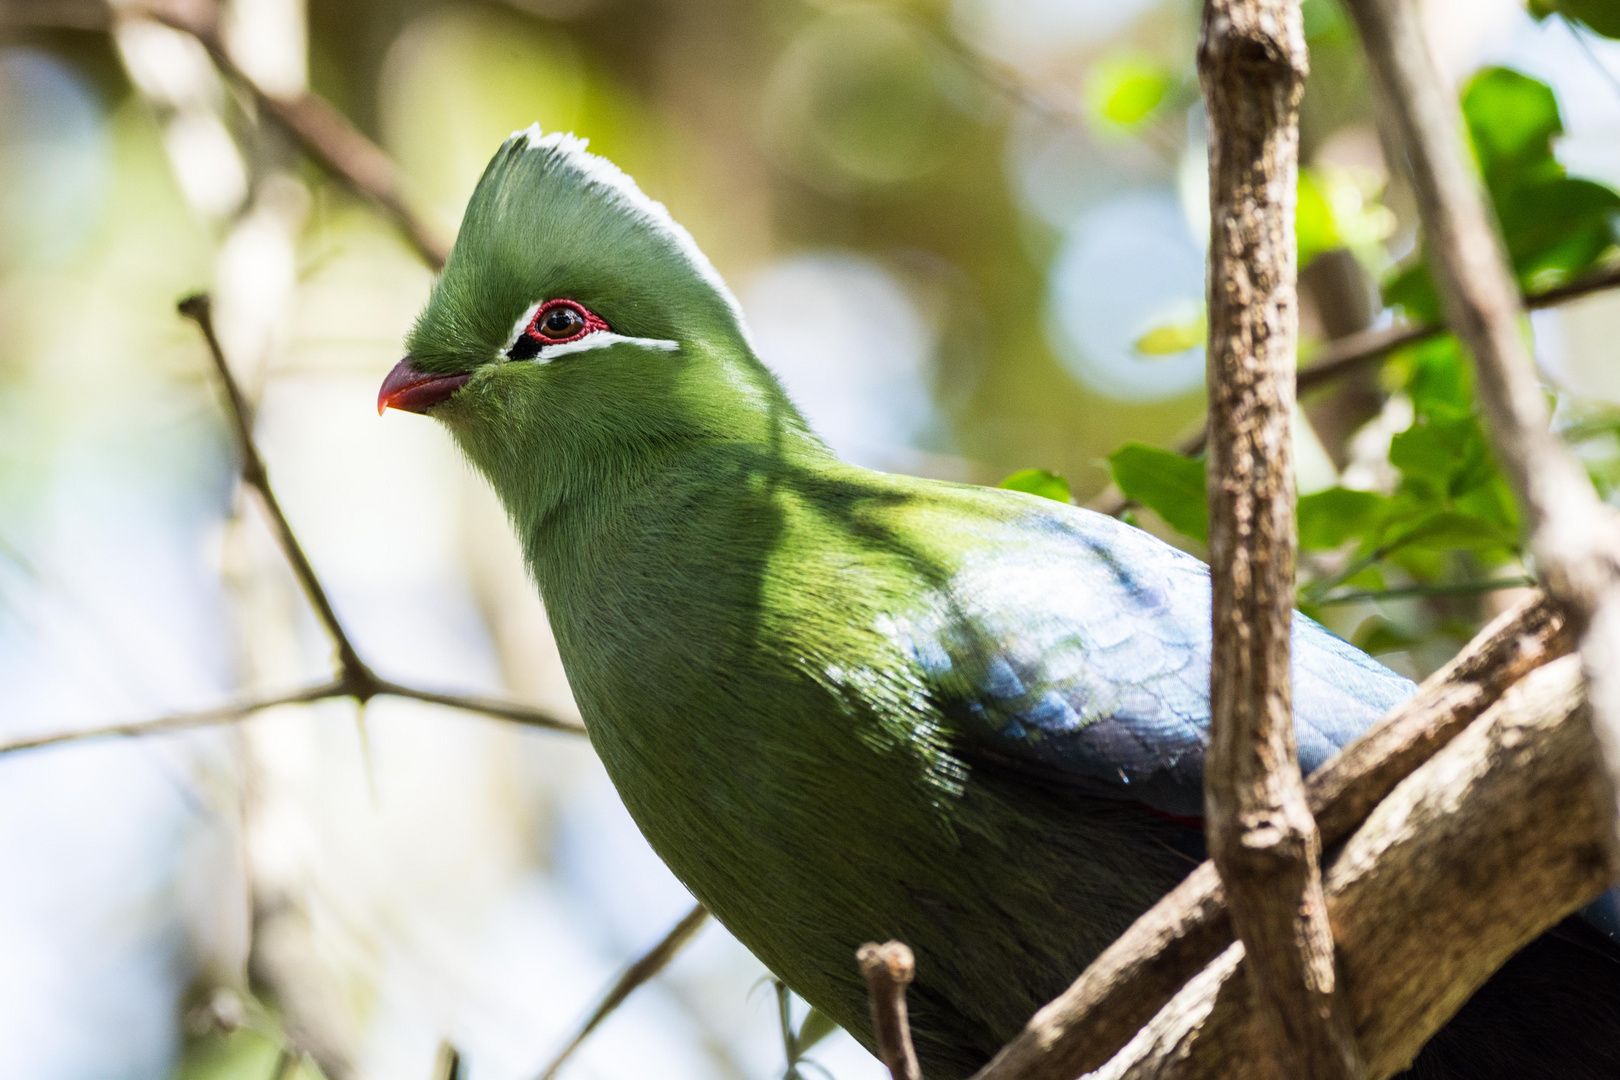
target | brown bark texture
x=1573, y=536
x=1262, y=837
x=1449, y=877
x=1134, y=977
x=889, y=969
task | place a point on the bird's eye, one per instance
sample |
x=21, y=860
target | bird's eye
x=560, y=323
x=557, y=322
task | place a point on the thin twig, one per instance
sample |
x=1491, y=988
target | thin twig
x=355, y=679
x=889, y=969
x=361, y=683
x=182, y=721
x=1350, y=354
x=337, y=688
x=486, y=706
x=447, y=1062
x=324, y=133
x=1409, y=592
x=649, y=964
x=1575, y=538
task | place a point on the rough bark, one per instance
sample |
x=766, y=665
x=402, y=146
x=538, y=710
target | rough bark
x=889, y=969
x=1123, y=989
x=1574, y=537
x=1251, y=61
x=1449, y=877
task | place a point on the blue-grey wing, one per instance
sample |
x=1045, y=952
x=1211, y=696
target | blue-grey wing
x=1080, y=647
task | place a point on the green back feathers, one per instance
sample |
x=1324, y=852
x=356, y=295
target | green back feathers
x=548, y=219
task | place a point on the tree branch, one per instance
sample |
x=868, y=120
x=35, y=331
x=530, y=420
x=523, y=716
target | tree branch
x=182, y=721
x=484, y=706
x=324, y=133
x=649, y=964
x=1450, y=876
x=1574, y=537
x=889, y=969
x=1350, y=354
x=358, y=679
x=1135, y=976
x=1262, y=837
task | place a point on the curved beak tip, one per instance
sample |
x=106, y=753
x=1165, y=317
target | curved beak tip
x=410, y=389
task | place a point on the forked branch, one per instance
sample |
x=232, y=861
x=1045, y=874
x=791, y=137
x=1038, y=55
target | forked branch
x=1576, y=540
x=1135, y=976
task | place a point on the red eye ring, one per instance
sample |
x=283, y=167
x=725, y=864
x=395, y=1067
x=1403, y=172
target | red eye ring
x=557, y=322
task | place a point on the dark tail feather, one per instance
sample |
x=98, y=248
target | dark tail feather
x=1551, y=1013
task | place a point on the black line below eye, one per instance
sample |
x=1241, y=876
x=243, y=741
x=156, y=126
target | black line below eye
x=525, y=348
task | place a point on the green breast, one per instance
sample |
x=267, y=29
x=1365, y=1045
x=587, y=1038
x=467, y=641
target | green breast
x=723, y=634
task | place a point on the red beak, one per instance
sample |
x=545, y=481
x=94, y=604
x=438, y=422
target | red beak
x=413, y=390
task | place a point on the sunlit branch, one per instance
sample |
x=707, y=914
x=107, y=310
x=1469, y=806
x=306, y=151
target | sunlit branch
x=649, y=964
x=1135, y=976
x=486, y=706
x=358, y=679
x=324, y=133
x=182, y=721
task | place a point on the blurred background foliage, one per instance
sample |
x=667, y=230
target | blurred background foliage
x=968, y=233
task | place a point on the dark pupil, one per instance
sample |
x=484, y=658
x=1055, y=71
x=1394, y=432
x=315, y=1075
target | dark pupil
x=561, y=322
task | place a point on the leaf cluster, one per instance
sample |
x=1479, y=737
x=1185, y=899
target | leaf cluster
x=1442, y=524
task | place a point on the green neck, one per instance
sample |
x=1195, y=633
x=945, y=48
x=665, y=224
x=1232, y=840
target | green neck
x=687, y=406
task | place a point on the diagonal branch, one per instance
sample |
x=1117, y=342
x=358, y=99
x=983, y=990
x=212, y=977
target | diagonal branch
x=484, y=706
x=1135, y=976
x=325, y=134
x=337, y=688
x=1262, y=837
x=1575, y=538
x=358, y=680
x=1452, y=874
x=182, y=721
x=1354, y=352
x=649, y=964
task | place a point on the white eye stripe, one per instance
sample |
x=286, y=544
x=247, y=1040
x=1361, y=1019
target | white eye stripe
x=600, y=339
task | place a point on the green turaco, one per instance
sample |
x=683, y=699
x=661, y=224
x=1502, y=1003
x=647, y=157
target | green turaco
x=846, y=706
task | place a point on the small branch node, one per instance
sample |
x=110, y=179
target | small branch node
x=889, y=969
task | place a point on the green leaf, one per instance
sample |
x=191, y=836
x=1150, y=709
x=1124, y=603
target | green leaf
x=1555, y=226
x=1449, y=452
x=1314, y=226
x=1379, y=635
x=1124, y=91
x=1412, y=290
x=1601, y=15
x=1450, y=530
x=817, y=1026
x=1329, y=518
x=1048, y=485
x=1171, y=339
x=1512, y=120
x=1165, y=482
x=1435, y=376
x=1325, y=22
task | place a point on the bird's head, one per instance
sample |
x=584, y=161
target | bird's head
x=577, y=331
